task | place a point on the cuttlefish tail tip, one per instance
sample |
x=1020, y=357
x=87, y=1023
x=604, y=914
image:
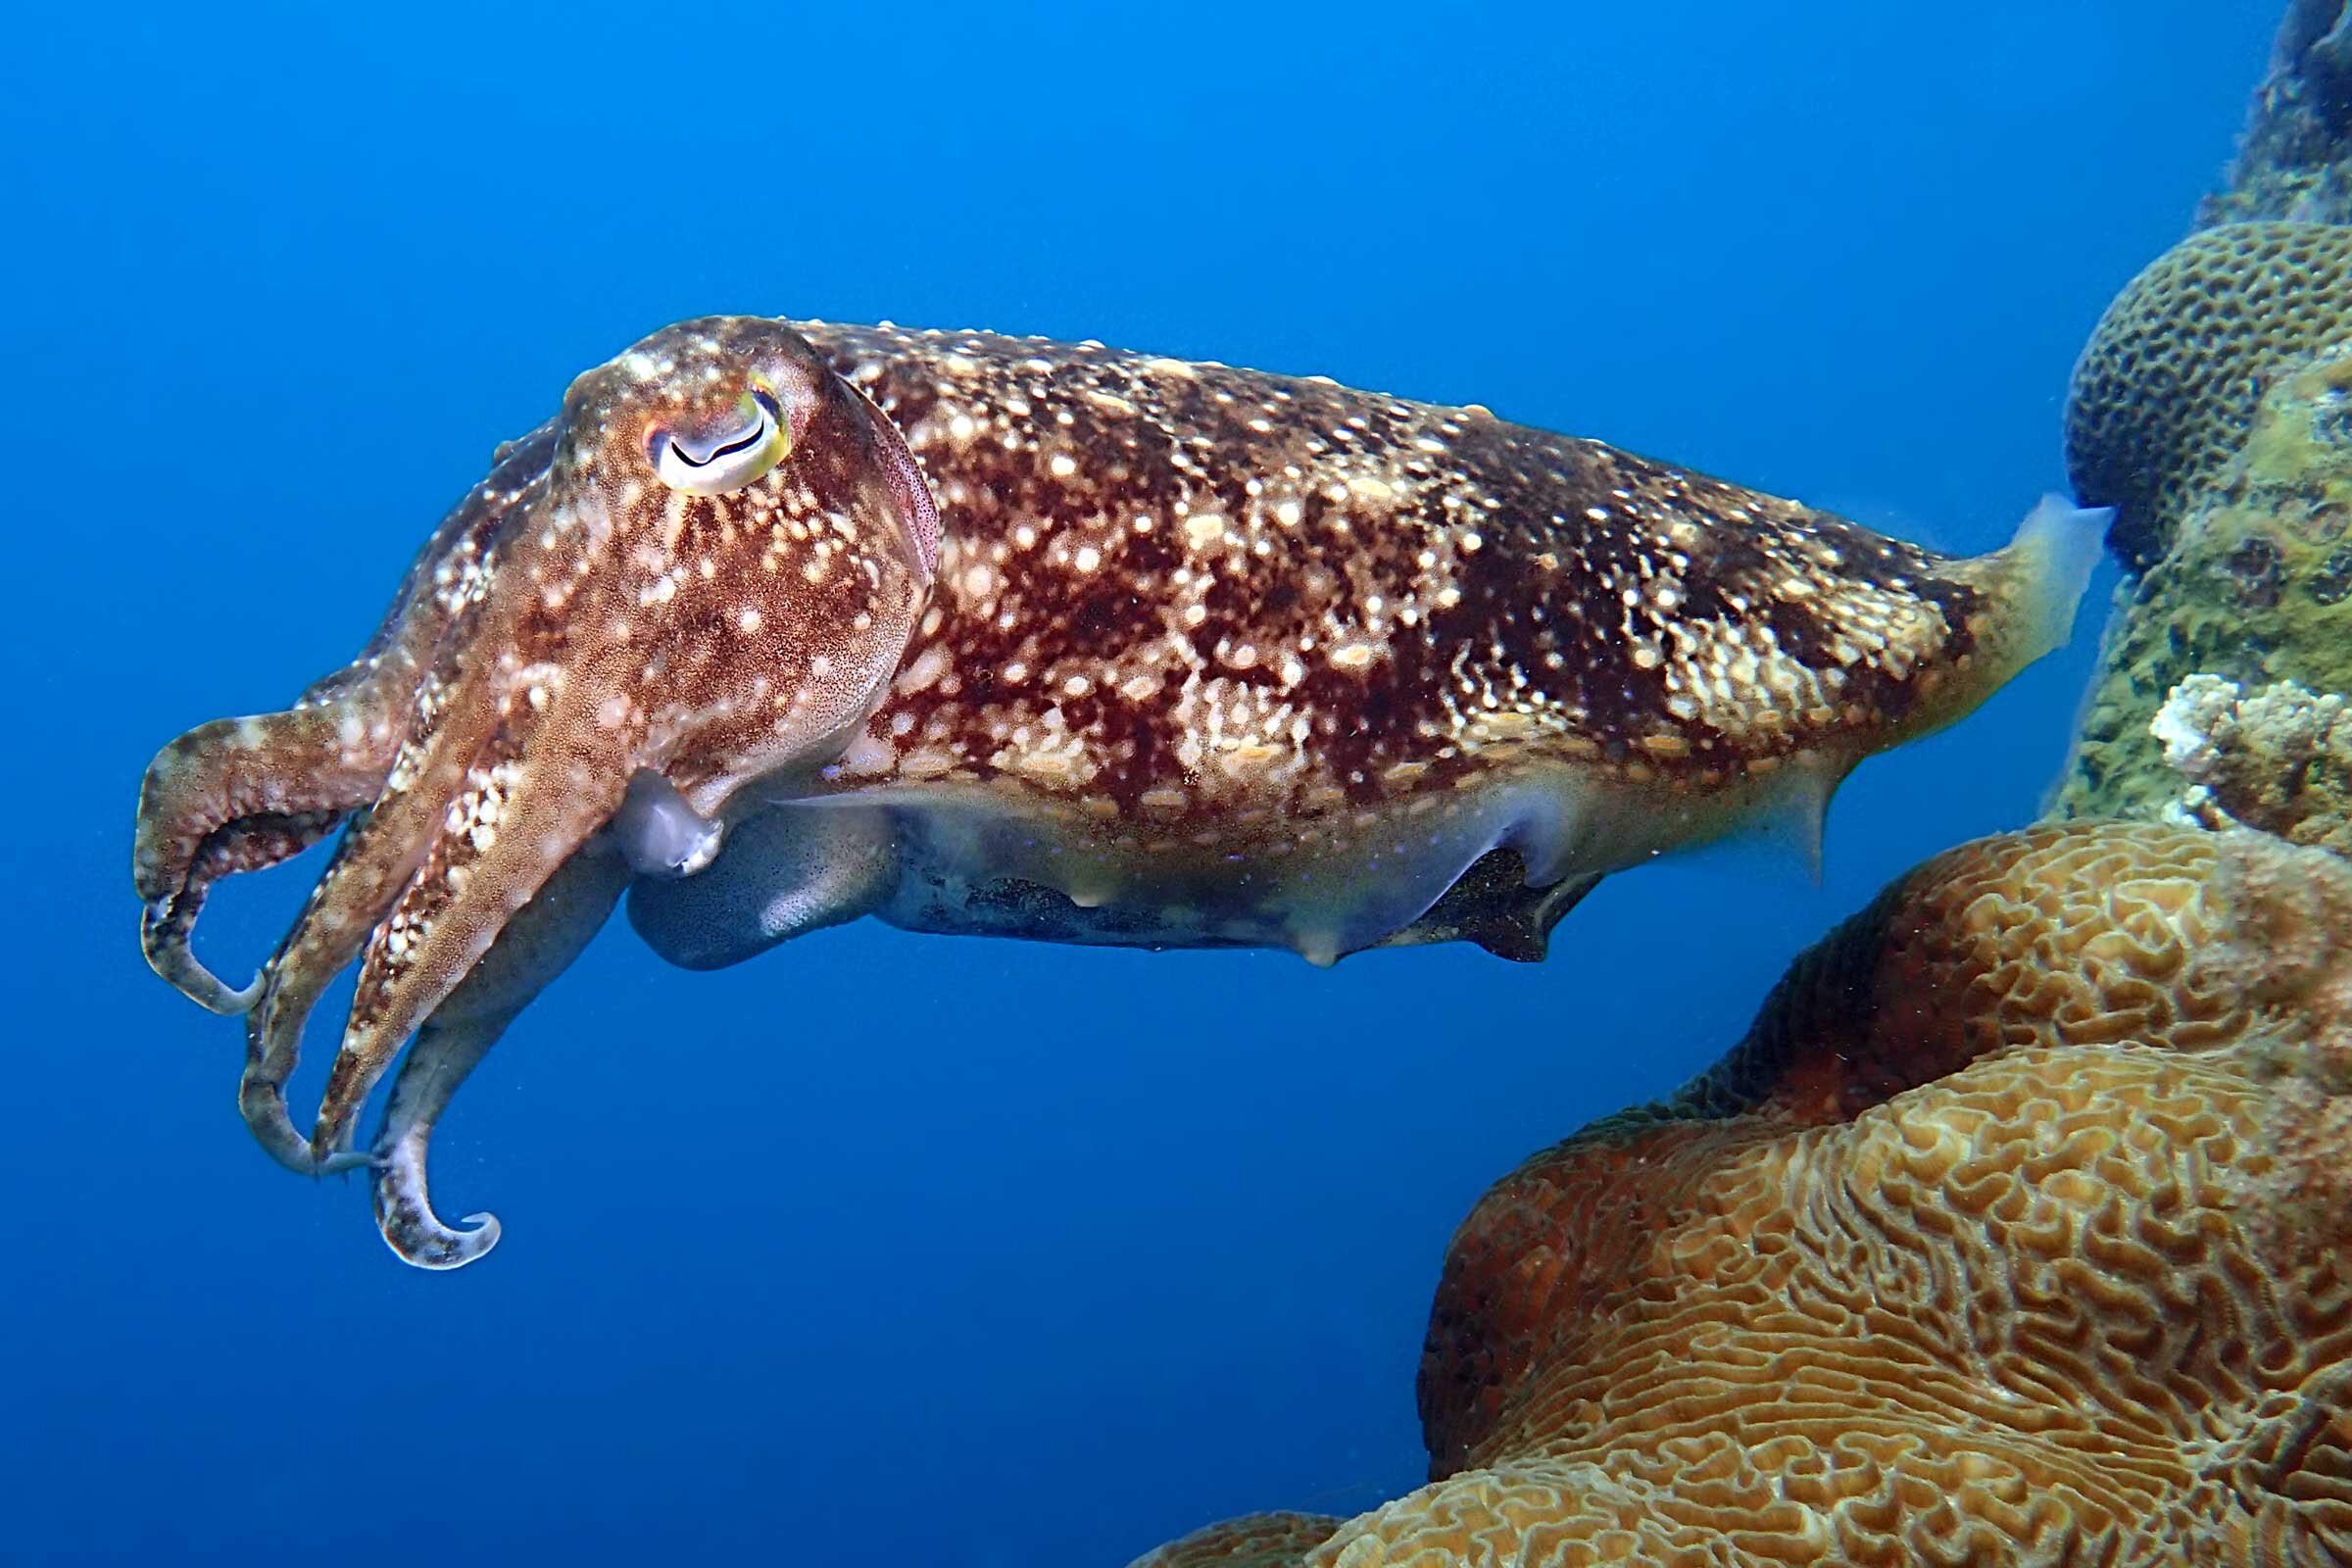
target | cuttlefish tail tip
x=2055, y=550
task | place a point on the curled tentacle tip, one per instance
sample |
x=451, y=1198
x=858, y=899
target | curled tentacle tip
x=349, y=1159
x=420, y=1240
x=403, y=1212
x=166, y=946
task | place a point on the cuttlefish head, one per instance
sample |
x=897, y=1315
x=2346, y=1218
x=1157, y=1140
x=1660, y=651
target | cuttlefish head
x=715, y=583
x=755, y=540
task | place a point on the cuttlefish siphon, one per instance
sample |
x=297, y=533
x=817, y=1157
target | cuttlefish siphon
x=775, y=626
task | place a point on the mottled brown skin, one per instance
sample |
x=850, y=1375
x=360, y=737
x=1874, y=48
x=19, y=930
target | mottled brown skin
x=1230, y=650
x=1482, y=566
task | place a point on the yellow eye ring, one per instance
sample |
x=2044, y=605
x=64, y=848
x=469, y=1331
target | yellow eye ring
x=731, y=460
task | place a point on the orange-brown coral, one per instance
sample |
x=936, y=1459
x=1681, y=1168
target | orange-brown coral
x=1254, y=1540
x=2018, y=1229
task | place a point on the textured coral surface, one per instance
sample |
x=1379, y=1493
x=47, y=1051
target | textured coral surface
x=1254, y=1540
x=2211, y=410
x=2165, y=393
x=2275, y=759
x=2019, y=1230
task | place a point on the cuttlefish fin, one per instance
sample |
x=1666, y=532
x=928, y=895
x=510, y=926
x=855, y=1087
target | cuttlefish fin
x=1524, y=935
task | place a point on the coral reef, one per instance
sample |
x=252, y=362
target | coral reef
x=1254, y=1540
x=2213, y=408
x=2018, y=1229
x=2295, y=160
x=2170, y=384
x=2277, y=759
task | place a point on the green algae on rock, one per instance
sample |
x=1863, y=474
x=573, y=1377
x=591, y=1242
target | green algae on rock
x=2252, y=568
x=1254, y=1540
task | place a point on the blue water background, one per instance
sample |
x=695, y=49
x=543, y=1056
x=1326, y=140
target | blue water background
x=891, y=1248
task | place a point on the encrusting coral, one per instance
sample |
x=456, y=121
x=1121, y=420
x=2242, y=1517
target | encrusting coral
x=2018, y=1229
x=1992, y=1241
x=2213, y=408
x=2277, y=759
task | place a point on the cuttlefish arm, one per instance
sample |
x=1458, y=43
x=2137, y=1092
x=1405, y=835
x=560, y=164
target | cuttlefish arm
x=720, y=574
x=244, y=794
x=538, y=944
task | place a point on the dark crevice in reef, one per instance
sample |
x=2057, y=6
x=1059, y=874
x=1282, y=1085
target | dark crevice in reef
x=2295, y=160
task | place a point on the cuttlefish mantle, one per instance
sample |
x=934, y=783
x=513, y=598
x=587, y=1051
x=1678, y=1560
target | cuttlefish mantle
x=776, y=625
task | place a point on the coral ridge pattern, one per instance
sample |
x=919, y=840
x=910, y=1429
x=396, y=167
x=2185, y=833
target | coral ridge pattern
x=1993, y=1243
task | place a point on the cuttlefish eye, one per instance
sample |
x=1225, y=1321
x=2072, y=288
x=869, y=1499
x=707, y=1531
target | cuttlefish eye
x=714, y=463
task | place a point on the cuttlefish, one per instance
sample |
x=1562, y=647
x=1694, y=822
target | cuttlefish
x=775, y=626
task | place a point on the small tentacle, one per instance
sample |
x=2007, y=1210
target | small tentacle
x=238, y=795
x=243, y=794
x=446, y=1051
x=536, y=946
x=500, y=843
x=361, y=886
x=169, y=924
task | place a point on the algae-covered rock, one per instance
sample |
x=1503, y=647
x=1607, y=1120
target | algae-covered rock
x=2254, y=589
x=2295, y=159
x=1254, y=1540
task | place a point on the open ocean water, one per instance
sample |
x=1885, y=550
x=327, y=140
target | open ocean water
x=890, y=1248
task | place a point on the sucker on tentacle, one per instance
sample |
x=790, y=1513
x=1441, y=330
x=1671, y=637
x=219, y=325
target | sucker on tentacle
x=998, y=636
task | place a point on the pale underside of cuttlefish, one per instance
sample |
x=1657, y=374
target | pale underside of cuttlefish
x=775, y=626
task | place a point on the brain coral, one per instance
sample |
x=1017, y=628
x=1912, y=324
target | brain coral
x=1254, y=1540
x=2212, y=350
x=2018, y=1229
x=2164, y=392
